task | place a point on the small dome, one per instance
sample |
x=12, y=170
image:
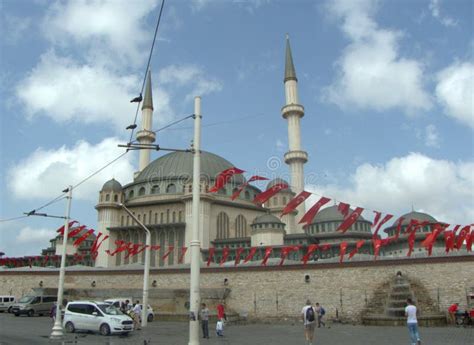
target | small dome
x=331, y=214
x=112, y=186
x=420, y=216
x=276, y=181
x=267, y=219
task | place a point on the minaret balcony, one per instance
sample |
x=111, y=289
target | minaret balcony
x=296, y=156
x=292, y=109
x=144, y=135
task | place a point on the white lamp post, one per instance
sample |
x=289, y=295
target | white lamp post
x=146, y=273
x=57, y=331
x=195, y=244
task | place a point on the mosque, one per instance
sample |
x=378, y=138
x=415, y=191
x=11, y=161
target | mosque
x=160, y=196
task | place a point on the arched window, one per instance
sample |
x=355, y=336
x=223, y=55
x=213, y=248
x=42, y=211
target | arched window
x=174, y=217
x=180, y=216
x=171, y=188
x=130, y=194
x=222, y=191
x=247, y=195
x=155, y=189
x=190, y=188
x=107, y=197
x=284, y=200
x=240, y=226
x=141, y=191
x=222, y=226
x=116, y=198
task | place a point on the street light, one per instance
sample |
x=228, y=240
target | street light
x=57, y=331
x=146, y=273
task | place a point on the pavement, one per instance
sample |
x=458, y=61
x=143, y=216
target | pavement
x=36, y=330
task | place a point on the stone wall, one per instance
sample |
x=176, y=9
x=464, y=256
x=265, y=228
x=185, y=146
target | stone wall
x=264, y=292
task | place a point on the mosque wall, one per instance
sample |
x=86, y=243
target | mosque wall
x=267, y=292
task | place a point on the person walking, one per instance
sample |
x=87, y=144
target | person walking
x=136, y=313
x=412, y=322
x=452, y=310
x=320, y=312
x=52, y=312
x=205, y=321
x=220, y=320
x=308, y=314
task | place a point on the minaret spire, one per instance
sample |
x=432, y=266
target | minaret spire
x=293, y=112
x=145, y=135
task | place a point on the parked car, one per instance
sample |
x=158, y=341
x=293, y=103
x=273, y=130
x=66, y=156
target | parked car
x=6, y=303
x=34, y=305
x=97, y=317
x=118, y=301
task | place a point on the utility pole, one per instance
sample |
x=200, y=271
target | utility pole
x=195, y=244
x=57, y=331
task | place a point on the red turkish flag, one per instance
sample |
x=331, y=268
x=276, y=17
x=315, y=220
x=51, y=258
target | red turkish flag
x=238, y=253
x=61, y=229
x=224, y=177
x=242, y=186
x=379, y=225
x=295, y=202
x=311, y=213
x=431, y=237
x=325, y=247
x=251, y=254
x=449, y=240
x=411, y=242
x=120, y=247
x=45, y=260
x=76, y=231
x=462, y=236
x=170, y=250
x=414, y=225
x=399, y=227
x=285, y=251
x=311, y=249
x=268, y=252
x=210, y=255
x=343, y=208
x=359, y=245
x=155, y=247
x=346, y=224
x=377, y=243
x=81, y=239
x=342, y=251
x=183, y=253
x=264, y=196
x=96, y=244
x=132, y=249
x=469, y=239
x=225, y=254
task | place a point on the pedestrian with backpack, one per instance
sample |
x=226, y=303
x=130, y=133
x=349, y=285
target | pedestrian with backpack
x=308, y=314
x=320, y=312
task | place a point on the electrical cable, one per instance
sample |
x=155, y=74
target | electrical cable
x=11, y=219
x=147, y=67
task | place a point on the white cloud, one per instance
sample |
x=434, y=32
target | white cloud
x=16, y=27
x=111, y=31
x=455, y=91
x=191, y=76
x=434, y=7
x=372, y=74
x=46, y=172
x=64, y=90
x=431, y=136
x=35, y=236
x=441, y=188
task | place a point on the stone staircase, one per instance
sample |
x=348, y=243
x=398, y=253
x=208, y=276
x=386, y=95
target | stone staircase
x=387, y=307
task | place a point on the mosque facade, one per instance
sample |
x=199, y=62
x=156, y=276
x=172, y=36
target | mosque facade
x=160, y=196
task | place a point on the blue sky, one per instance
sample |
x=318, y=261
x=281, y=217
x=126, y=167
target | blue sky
x=387, y=88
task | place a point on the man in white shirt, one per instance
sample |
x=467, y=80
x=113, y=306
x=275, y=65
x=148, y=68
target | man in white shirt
x=308, y=314
x=412, y=323
x=137, y=312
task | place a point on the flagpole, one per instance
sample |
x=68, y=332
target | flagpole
x=57, y=331
x=195, y=244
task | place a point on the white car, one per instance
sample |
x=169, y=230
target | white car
x=96, y=316
x=117, y=302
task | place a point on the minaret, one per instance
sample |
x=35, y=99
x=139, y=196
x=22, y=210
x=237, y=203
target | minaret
x=145, y=135
x=293, y=111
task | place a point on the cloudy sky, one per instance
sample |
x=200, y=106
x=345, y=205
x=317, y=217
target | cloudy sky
x=387, y=88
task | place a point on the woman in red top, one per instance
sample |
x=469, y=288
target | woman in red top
x=452, y=312
x=220, y=312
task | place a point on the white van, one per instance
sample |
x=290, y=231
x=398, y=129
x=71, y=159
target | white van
x=6, y=303
x=117, y=302
x=96, y=316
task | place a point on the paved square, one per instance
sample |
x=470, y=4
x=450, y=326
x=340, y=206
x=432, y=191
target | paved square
x=36, y=330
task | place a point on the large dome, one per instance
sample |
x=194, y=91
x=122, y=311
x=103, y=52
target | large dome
x=420, y=216
x=330, y=214
x=179, y=166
